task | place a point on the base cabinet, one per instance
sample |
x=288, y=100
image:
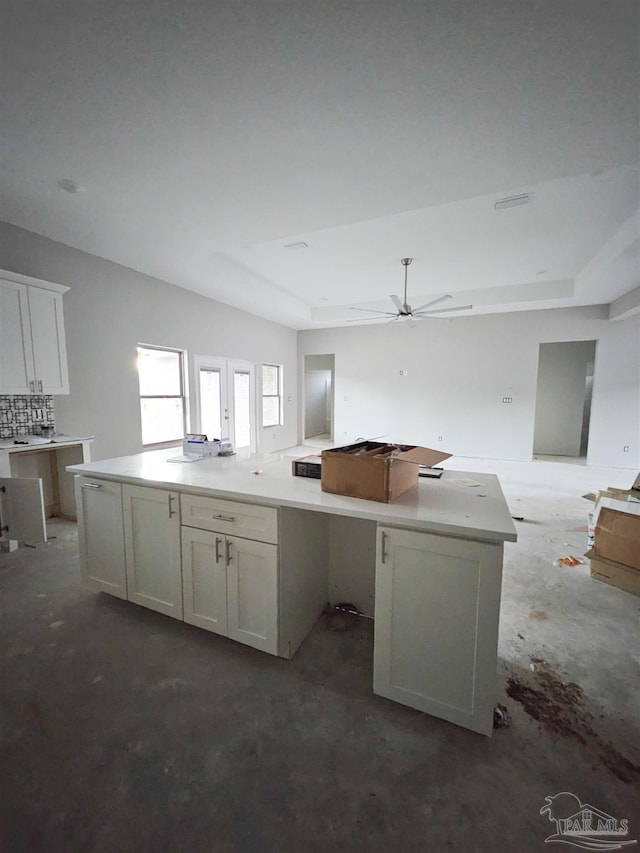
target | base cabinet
x=252, y=593
x=437, y=602
x=204, y=580
x=230, y=587
x=152, y=548
x=101, y=535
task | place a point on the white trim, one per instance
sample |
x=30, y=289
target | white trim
x=33, y=282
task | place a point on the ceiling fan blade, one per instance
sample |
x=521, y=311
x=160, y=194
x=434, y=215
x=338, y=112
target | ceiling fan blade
x=397, y=302
x=372, y=311
x=427, y=314
x=372, y=319
x=433, y=302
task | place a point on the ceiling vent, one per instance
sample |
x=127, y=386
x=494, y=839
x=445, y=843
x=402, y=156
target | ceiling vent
x=512, y=201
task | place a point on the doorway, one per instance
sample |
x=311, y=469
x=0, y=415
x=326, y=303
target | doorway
x=226, y=400
x=318, y=397
x=563, y=398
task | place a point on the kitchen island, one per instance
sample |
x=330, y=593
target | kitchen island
x=240, y=547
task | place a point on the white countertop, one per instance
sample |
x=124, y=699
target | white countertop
x=442, y=505
x=37, y=442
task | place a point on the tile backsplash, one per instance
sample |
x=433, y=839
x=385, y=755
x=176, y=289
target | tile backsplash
x=21, y=415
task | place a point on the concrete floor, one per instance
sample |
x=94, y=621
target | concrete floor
x=123, y=730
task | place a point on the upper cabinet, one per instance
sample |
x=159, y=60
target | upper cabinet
x=33, y=352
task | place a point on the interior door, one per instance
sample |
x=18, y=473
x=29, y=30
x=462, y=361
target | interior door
x=22, y=509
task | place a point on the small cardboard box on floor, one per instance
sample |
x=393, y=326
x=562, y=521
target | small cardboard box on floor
x=375, y=471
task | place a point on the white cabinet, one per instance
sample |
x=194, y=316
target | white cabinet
x=252, y=593
x=230, y=583
x=101, y=535
x=437, y=602
x=22, y=516
x=152, y=548
x=33, y=354
x=204, y=580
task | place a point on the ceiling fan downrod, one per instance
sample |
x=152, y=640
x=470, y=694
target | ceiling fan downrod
x=405, y=263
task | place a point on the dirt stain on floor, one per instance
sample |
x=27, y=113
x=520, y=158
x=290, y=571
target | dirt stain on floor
x=538, y=615
x=558, y=706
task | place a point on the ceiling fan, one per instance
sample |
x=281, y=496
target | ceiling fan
x=405, y=312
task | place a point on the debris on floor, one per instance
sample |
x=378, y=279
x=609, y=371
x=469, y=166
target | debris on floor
x=341, y=617
x=501, y=717
x=569, y=560
x=559, y=707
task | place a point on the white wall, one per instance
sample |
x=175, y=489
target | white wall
x=109, y=310
x=560, y=397
x=457, y=373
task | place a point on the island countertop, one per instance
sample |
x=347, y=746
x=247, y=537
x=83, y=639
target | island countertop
x=449, y=506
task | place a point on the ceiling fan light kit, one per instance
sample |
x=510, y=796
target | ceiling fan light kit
x=405, y=313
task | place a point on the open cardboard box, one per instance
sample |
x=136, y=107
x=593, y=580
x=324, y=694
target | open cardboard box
x=617, y=532
x=375, y=471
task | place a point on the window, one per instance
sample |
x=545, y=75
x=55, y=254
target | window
x=162, y=399
x=271, y=395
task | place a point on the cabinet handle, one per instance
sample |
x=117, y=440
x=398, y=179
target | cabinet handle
x=172, y=511
x=218, y=542
x=228, y=549
x=224, y=517
x=40, y=385
x=32, y=386
x=91, y=486
x=383, y=542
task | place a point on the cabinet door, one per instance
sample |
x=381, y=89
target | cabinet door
x=152, y=548
x=49, y=347
x=16, y=354
x=204, y=579
x=252, y=593
x=22, y=509
x=101, y=535
x=436, y=625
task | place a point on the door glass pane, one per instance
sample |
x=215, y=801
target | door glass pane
x=162, y=419
x=159, y=372
x=210, y=404
x=241, y=409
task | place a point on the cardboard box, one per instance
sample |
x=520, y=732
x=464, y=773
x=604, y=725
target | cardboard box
x=307, y=466
x=615, y=574
x=375, y=471
x=617, y=533
x=632, y=494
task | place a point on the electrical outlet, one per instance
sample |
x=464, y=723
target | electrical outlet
x=439, y=438
x=346, y=399
x=404, y=373
x=625, y=449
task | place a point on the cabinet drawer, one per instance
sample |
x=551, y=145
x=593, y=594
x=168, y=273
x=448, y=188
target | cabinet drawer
x=250, y=521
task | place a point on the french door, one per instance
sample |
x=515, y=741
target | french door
x=226, y=400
